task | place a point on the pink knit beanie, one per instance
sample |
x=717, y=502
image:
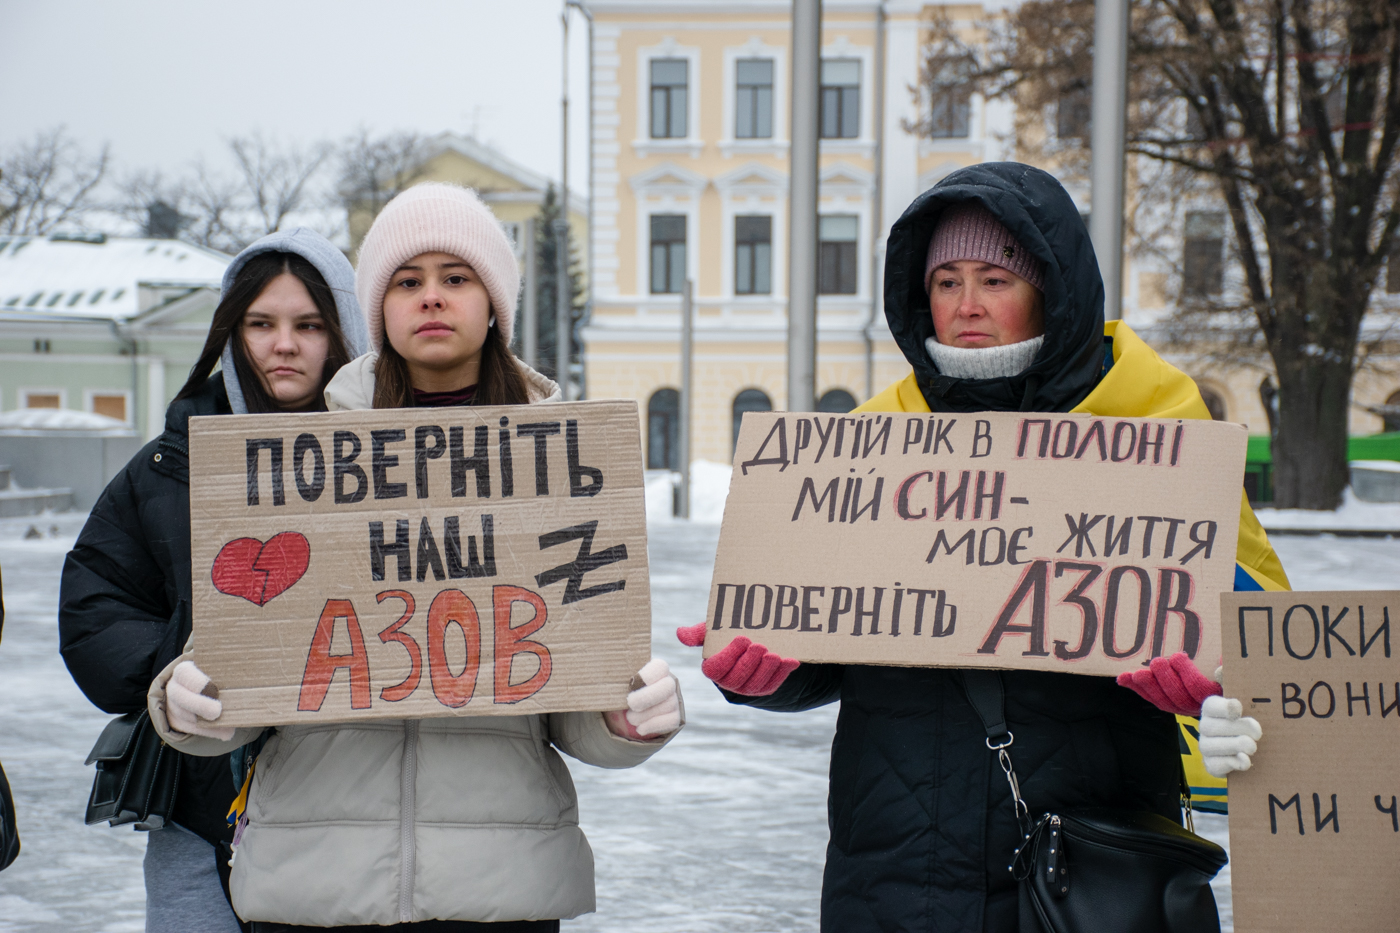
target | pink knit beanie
x=970, y=231
x=429, y=218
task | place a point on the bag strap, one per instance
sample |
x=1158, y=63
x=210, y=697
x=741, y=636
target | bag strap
x=987, y=696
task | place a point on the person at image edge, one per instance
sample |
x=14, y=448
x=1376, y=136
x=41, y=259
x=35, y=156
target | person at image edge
x=993, y=293
x=287, y=320
x=455, y=823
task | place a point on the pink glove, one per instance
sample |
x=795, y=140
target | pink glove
x=1172, y=684
x=742, y=666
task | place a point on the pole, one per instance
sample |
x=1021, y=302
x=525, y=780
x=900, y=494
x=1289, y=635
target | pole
x=802, y=205
x=877, y=205
x=682, y=509
x=563, y=325
x=530, y=312
x=1106, y=143
x=588, y=268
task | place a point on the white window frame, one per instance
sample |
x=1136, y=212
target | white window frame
x=691, y=144
x=88, y=395
x=777, y=144
x=26, y=391
x=663, y=197
x=753, y=198
x=864, y=143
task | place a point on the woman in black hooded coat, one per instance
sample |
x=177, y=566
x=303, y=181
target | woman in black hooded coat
x=922, y=824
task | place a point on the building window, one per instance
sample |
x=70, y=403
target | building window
x=43, y=400
x=840, y=116
x=836, y=401
x=669, y=77
x=667, y=254
x=749, y=400
x=753, y=255
x=42, y=345
x=664, y=430
x=113, y=406
x=1073, y=112
x=836, y=257
x=1202, y=262
x=753, y=98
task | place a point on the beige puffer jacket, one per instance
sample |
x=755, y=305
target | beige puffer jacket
x=471, y=818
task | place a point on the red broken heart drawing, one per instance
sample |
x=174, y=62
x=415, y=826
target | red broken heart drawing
x=259, y=572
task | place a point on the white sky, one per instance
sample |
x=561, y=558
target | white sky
x=166, y=81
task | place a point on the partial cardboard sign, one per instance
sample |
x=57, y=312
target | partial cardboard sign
x=1056, y=542
x=1314, y=823
x=419, y=562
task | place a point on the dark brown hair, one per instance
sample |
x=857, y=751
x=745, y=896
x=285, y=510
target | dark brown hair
x=250, y=282
x=499, y=381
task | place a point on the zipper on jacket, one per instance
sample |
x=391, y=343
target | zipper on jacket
x=407, y=804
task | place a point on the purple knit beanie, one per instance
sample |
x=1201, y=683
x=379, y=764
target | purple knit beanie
x=970, y=231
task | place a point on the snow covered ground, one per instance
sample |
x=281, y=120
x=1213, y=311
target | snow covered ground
x=725, y=830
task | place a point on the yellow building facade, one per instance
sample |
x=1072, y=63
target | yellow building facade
x=689, y=172
x=690, y=176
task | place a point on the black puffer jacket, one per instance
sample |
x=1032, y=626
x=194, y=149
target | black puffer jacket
x=922, y=827
x=124, y=599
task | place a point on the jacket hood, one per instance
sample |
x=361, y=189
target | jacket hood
x=1038, y=211
x=353, y=387
x=334, y=268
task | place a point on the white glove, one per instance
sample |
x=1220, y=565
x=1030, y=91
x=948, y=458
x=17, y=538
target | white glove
x=1227, y=737
x=655, y=709
x=188, y=709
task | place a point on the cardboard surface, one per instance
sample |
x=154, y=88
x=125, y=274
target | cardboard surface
x=1314, y=823
x=419, y=562
x=1055, y=542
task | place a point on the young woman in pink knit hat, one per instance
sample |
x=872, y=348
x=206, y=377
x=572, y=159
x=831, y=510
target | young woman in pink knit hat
x=445, y=825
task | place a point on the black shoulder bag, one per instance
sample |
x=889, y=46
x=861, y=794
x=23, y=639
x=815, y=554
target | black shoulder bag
x=137, y=774
x=1100, y=870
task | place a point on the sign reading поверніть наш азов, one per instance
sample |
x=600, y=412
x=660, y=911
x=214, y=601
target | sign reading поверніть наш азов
x=1058, y=542
x=419, y=562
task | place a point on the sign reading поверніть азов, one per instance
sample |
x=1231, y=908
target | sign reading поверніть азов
x=419, y=562
x=1049, y=541
x=1314, y=823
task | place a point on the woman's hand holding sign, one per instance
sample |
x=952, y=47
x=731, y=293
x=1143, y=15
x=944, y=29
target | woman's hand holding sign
x=653, y=710
x=188, y=708
x=1171, y=684
x=742, y=666
x=1228, y=738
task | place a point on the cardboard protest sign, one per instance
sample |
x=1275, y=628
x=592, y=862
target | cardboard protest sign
x=1056, y=542
x=419, y=562
x=1314, y=823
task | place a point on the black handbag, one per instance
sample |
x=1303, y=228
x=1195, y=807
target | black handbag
x=1099, y=870
x=137, y=774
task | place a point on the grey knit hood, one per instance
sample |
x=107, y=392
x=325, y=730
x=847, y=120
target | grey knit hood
x=334, y=268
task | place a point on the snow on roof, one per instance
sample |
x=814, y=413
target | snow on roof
x=80, y=275
x=46, y=420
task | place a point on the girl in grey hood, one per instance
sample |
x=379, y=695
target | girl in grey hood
x=287, y=320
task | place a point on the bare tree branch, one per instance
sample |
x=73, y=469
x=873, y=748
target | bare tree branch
x=48, y=182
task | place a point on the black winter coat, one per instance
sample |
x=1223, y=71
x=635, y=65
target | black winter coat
x=922, y=826
x=125, y=596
